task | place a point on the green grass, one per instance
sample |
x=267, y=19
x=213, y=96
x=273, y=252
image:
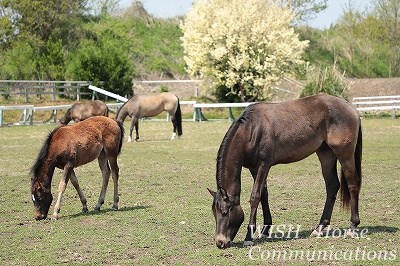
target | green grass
x=165, y=209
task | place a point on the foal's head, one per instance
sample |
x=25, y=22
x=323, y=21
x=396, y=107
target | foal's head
x=42, y=199
x=228, y=215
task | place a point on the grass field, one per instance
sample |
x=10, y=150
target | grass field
x=165, y=209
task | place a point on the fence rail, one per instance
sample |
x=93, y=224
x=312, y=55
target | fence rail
x=55, y=88
x=377, y=104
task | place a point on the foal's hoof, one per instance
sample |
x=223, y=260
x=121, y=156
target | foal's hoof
x=316, y=233
x=55, y=217
x=248, y=243
x=114, y=208
x=96, y=209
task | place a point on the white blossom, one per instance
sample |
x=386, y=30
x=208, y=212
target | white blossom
x=248, y=44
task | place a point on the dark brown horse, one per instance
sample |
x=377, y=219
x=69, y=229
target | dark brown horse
x=81, y=111
x=270, y=134
x=72, y=146
x=140, y=106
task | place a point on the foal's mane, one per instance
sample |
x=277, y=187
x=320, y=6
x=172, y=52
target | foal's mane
x=42, y=155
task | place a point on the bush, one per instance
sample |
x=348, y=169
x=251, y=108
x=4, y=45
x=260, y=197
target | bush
x=328, y=81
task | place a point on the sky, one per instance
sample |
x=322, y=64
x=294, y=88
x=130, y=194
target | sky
x=172, y=8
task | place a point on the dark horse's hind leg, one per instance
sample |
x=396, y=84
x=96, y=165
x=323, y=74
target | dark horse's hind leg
x=328, y=164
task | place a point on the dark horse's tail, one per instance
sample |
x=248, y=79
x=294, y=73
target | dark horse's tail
x=121, y=128
x=344, y=189
x=178, y=117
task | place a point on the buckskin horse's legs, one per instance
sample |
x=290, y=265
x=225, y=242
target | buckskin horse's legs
x=134, y=124
x=105, y=171
x=75, y=183
x=174, y=124
x=61, y=188
x=328, y=162
x=255, y=198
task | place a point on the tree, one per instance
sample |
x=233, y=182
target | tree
x=389, y=12
x=306, y=9
x=243, y=54
x=104, y=57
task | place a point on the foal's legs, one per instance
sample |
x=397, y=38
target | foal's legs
x=61, y=189
x=74, y=181
x=328, y=162
x=115, y=176
x=105, y=171
x=258, y=194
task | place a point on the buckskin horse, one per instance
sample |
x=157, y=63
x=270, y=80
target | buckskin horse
x=71, y=146
x=267, y=134
x=140, y=106
x=81, y=111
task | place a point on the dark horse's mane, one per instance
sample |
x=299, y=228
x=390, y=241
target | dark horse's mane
x=42, y=155
x=243, y=119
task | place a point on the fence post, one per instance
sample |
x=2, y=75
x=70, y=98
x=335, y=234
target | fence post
x=54, y=92
x=231, y=117
x=1, y=117
x=78, y=92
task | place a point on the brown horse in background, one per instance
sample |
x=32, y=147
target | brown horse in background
x=269, y=134
x=72, y=146
x=81, y=111
x=140, y=106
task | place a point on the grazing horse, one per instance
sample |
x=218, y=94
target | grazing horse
x=71, y=146
x=268, y=134
x=140, y=106
x=81, y=111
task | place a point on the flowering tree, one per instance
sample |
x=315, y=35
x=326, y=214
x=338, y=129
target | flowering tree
x=243, y=46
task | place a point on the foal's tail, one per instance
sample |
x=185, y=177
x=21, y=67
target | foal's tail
x=178, y=117
x=121, y=140
x=344, y=189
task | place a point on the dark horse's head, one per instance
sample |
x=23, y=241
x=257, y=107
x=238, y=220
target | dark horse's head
x=228, y=215
x=40, y=184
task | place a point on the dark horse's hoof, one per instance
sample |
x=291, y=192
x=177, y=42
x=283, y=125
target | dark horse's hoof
x=85, y=210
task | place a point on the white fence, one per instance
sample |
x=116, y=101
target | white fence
x=363, y=104
x=377, y=104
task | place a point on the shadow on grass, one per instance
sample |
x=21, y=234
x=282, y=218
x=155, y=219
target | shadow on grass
x=305, y=234
x=123, y=209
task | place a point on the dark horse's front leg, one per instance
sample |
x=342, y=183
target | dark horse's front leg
x=259, y=193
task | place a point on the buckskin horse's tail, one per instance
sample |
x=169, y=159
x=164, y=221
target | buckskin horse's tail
x=344, y=189
x=178, y=117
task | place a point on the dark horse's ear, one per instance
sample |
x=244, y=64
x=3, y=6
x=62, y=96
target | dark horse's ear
x=224, y=194
x=212, y=192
